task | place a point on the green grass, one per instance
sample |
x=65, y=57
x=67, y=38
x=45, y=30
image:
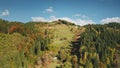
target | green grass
x=10, y=56
x=62, y=36
x=54, y=65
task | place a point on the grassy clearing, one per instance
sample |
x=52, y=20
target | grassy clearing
x=62, y=37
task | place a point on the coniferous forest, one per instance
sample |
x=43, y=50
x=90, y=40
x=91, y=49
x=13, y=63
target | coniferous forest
x=59, y=44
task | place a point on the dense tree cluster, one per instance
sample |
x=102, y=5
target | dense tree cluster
x=98, y=46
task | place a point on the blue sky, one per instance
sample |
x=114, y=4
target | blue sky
x=78, y=11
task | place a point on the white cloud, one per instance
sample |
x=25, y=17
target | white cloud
x=84, y=16
x=38, y=19
x=113, y=19
x=81, y=16
x=49, y=10
x=42, y=19
x=67, y=19
x=84, y=22
x=78, y=21
x=5, y=13
x=54, y=18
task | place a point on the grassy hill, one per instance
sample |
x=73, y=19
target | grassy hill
x=59, y=44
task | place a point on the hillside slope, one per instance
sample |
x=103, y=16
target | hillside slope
x=59, y=44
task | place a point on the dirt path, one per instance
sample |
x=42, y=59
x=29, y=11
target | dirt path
x=76, y=41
